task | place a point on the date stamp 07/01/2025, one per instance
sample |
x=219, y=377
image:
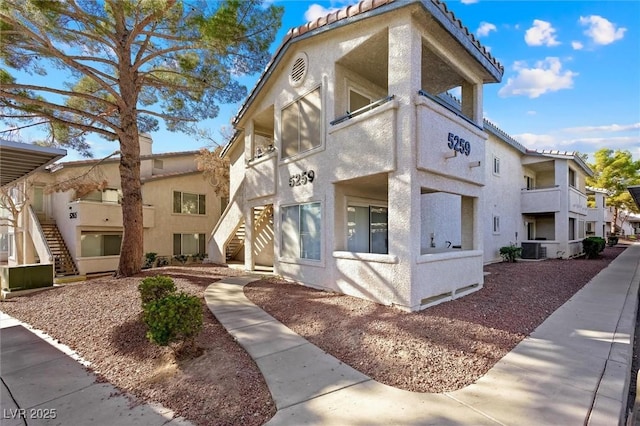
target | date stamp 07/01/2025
x=30, y=413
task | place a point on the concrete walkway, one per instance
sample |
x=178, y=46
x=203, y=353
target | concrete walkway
x=41, y=384
x=574, y=369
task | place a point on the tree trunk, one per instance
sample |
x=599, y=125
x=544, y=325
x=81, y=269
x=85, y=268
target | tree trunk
x=614, y=222
x=131, y=250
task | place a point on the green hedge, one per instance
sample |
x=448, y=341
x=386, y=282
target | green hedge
x=593, y=246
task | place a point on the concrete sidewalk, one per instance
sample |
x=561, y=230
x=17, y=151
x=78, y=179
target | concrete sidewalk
x=574, y=369
x=42, y=385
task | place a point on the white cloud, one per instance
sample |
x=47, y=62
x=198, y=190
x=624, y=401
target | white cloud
x=531, y=112
x=546, y=76
x=541, y=34
x=606, y=128
x=534, y=141
x=316, y=11
x=601, y=30
x=620, y=142
x=584, y=145
x=485, y=28
x=577, y=45
x=468, y=1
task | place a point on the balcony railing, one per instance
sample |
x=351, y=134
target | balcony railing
x=540, y=200
x=448, y=106
x=362, y=110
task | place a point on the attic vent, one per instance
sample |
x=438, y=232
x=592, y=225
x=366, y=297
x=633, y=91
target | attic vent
x=298, y=70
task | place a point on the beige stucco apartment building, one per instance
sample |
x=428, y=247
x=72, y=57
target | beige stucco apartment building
x=82, y=234
x=354, y=170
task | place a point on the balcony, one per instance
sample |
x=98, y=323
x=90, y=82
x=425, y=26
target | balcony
x=363, y=142
x=449, y=144
x=97, y=214
x=260, y=176
x=577, y=202
x=540, y=200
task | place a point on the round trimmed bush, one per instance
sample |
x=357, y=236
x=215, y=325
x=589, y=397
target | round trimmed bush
x=176, y=317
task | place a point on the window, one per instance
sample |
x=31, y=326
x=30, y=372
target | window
x=496, y=165
x=100, y=244
x=11, y=246
x=581, y=231
x=529, y=181
x=186, y=203
x=262, y=144
x=572, y=177
x=38, y=199
x=301, y=231
x=302, y=125
x=367, y=229
x=189, y=244
x=357, y=100
x=572, y=228
x=109, y=195
x=4, y=242
x=496, y=224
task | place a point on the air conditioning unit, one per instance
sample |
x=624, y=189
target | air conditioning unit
x=533, y=251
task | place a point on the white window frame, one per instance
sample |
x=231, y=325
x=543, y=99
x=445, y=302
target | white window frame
x=102, y=235
x=299, y=258
x=299, y=153
x=496, y=224
x=368, y=203
x=573, y=178
x=173, y=206
x=496, y=165
x=201, y=236
x=360, y=92
x=529, y=182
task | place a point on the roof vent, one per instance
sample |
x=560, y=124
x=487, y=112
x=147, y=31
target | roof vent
x=298, y=70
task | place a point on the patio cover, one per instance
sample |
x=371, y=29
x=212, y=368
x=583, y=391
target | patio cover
x=635, y=193
x=18, y=160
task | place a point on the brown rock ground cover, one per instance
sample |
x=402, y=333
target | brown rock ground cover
x=440, y=349
x=100, y=319
x=443, y=348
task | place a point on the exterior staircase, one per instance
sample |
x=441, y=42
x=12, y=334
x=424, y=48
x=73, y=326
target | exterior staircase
x=262, y=214
x=63, y=262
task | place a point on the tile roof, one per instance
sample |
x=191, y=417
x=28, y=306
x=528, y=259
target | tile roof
x=169, y=175
x=570, y=155
x=349, y=13
x=117, y=158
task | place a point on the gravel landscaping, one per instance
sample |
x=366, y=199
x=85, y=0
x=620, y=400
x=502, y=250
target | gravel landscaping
x=441, y=349
x=100, y=320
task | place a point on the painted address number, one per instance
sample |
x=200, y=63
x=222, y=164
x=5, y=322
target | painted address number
x=73, y=215
x=458, y=144
x=302, y=178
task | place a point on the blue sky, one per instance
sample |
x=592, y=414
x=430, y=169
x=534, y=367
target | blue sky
x=571, y=79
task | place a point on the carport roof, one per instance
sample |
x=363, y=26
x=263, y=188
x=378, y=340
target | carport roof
x=18, y=160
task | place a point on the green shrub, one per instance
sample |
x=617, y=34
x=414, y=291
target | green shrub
x=182, y=258
x=612, y=240
x=199, y=256
x=162, y=261
x=510, y=253
x=149, y=260
x=592, y=246
x=176, y=317
x=154, y=288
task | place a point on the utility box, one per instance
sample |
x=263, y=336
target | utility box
x=26, y=277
